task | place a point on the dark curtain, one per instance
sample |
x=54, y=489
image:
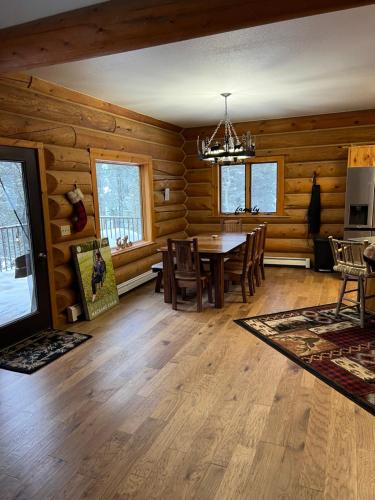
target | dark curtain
x=313, y=213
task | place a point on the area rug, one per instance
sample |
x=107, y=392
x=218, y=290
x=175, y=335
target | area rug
x=337, y=351
x=39, y=350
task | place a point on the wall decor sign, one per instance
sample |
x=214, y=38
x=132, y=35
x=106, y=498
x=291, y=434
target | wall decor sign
x=96, y=276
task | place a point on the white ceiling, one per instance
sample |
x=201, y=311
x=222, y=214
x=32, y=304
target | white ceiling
x=313, y=65
x=22, y=11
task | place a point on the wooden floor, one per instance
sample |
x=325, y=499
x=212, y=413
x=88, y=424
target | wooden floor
x=172, y=405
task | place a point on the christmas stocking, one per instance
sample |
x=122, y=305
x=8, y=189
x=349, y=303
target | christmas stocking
x=79, y=212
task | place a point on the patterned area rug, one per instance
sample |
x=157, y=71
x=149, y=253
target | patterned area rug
x=337, y=351
x=39, y=350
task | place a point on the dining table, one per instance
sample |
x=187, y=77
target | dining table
x=215, y=248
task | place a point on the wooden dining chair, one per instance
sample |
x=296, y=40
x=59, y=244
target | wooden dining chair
x=242, y=272
x=256, y=272
x=185, y=268
x=231, y=226
x=262, y=247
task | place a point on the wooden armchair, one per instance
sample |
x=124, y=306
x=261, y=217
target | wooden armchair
x=240, y=272
x=184, y=261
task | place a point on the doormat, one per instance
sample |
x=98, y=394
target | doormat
x=336, y=351
x=39, y=350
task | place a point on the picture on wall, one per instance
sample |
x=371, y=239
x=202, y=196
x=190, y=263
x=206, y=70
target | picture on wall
x=93, y=261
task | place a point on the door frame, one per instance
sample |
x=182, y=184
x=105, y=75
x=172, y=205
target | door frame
x=39, y=148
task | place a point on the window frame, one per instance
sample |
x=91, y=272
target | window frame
x=144, y=162
x=256, y=159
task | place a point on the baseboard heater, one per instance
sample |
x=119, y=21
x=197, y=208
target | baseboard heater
x=73, y=312
x=287, y=261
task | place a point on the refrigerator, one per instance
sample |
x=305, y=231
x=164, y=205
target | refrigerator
x=359, y=218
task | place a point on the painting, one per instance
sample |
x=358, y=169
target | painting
x=96, y=276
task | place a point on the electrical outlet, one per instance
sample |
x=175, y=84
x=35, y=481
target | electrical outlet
x=65, y=230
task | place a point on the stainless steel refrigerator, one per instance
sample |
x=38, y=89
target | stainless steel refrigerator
x=360, y=203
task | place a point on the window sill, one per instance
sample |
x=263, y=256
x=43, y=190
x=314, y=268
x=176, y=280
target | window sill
x=135, y=246
x=252, y=217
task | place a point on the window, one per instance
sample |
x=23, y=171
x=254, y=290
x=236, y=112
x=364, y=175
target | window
x=254, y=185
x=123, y=198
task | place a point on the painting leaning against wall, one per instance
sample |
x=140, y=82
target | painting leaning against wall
x=93, y=261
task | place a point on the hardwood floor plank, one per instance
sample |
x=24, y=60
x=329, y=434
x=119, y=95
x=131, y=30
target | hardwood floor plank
x=164, y=404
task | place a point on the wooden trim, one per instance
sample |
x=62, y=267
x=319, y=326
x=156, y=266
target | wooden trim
x=20, y=143
x=39, y=147
x=114, y=27
x=280, y=179
x=216, y=183
x=48, y=235
x=216, y=186
x=147, y=198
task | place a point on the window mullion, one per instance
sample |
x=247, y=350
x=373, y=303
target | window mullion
x=248, y=185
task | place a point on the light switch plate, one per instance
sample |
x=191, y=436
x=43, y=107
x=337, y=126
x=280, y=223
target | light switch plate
x=65, y=230
x=166, y=194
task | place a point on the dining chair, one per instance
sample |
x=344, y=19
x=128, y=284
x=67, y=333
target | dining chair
x=231, y=226
x=262, y=248
x=242, y=272
x=258, y=254
x=185, y=268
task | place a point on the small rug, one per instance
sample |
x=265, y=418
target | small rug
x=39, y=350
x=337, y=351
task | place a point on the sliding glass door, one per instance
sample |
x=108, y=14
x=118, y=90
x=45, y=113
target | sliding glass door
x=24, y=286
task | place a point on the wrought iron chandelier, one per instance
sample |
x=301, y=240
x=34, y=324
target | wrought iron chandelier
x=232, y=150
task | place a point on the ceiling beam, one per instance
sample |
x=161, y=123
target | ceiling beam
x=120, y=26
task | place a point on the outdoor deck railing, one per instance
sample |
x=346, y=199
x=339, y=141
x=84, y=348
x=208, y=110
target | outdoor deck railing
x=12, y=245
x=113, y=227
x=12, y=239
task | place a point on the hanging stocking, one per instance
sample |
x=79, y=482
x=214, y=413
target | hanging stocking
x=79, y=212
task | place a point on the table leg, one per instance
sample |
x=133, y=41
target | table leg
x=166, y=279
x=219, y=280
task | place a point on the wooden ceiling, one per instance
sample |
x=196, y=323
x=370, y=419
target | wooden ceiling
x=119, y=26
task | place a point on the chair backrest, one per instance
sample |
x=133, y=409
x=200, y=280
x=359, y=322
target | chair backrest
x=183, y=258
x=231, y=226
x=349, y=253
x=249, y=251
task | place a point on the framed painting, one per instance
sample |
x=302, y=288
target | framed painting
x=93, y=261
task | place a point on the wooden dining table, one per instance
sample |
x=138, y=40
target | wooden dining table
x=214, y=249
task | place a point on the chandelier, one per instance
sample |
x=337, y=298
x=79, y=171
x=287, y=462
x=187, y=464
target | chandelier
x=232, y=150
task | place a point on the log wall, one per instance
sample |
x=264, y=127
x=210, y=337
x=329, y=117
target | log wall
x=68, y=123
x=308, y=144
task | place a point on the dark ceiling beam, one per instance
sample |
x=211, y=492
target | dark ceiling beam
x=121, y=26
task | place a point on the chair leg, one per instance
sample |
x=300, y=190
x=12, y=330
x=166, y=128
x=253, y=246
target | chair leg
x=174, y=294
x=262, y=269
x=250, y=283
x=257, y=274
x=341, y=295
x=252, y=277
x=362, y=301
x=199, y=297
x=158, y=281
x=243, y=287
x=209, y=291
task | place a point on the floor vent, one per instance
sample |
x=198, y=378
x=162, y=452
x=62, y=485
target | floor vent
x=287, y=261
